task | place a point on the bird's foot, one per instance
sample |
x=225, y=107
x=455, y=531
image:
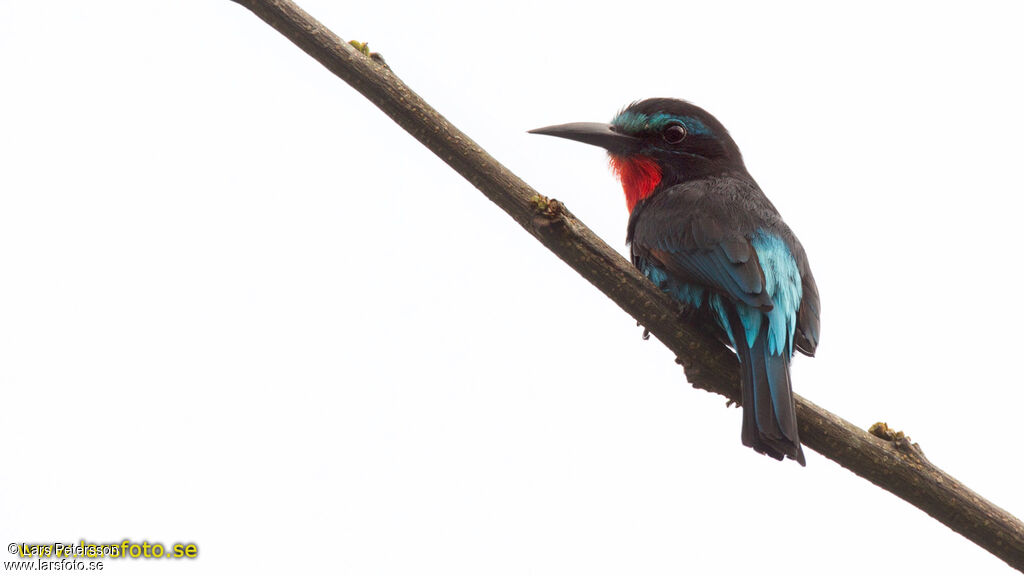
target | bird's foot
x=647, y=333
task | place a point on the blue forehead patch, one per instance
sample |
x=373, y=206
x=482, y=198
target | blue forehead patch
x=637, y=122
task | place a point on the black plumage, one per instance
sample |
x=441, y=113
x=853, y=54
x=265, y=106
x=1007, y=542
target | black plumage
x=701, y=228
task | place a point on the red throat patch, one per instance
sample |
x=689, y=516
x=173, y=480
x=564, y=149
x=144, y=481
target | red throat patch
x=639, y=175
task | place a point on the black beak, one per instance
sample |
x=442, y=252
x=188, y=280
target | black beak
x=594, y=133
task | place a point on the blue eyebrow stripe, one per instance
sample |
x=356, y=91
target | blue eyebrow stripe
x=636, y=122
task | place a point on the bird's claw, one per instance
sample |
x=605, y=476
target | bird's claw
x=647, y=333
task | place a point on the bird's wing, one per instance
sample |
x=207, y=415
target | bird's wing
x=808, y=316
x=699, y=239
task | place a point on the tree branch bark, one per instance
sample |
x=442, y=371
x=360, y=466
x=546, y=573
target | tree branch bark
x=894, y=465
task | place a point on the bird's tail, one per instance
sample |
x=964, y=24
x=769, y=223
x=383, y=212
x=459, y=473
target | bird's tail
x=769, y=413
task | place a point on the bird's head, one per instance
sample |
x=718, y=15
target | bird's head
x=658, y=143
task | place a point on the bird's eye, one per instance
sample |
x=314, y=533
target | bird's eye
x=674, y=134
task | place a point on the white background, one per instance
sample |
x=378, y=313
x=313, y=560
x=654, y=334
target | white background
x=240, y=307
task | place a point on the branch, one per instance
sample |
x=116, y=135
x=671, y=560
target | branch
x=892, y=463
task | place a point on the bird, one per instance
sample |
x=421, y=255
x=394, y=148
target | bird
x=701, y=229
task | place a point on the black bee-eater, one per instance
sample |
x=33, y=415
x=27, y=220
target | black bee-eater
x=702, y=230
